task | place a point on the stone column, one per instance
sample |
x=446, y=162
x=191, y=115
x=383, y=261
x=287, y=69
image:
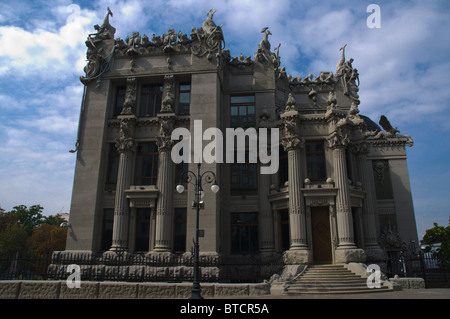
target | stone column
x=373, y=250
x=165, y=185
x=343, y=207
x=346, y=250
x=126, y=146
x=299, y=252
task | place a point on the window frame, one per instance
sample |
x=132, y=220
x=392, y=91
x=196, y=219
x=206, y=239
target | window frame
x=120, y=92
x=250, y=229
x=321, y=174
x=243, y=105
x=139, y=168
x=180, y=93
x=155, y=90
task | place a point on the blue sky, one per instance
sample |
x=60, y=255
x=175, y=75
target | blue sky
x=404, y=69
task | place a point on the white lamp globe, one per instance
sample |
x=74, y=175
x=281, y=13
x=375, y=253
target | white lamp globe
x=180, y=188
x=215, y=188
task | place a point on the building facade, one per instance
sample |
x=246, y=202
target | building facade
x=342, y=179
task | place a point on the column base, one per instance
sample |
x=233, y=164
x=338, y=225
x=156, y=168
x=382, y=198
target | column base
x=374, y=254
x=348, y=255
x=297, y=257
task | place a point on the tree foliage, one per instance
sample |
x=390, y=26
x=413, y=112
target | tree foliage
x=30, y=218
x=13, y=239
x=439, y=234
x=26, y=229
x=46, y=239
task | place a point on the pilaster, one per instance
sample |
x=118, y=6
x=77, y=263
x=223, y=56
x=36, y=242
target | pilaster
x=299, y=252
x=165, y=185
x=126, y=146
x=337, y=142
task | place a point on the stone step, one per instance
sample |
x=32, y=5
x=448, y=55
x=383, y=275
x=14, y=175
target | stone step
x=337, y=290
x=325, y=270
x=328, y=284
x=330, y=279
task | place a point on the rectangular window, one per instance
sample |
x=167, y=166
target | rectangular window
x=113, y=164
x=243, y=111
x=151, y=98
x=243, y=175
x=142, y=229
x=315, y=161
x=146, y=164
x=244, y=233
x=119, y=100
x=179, y=241
x=107, y=231
x=184, y=98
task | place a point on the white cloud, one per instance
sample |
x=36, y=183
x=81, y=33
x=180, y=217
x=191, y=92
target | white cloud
x=45, y=52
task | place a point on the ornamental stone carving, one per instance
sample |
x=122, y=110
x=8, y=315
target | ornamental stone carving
x=166, y=125
x=348, y=76
x=290, y=119
x=98, y=53
x=207, y=40
x=389, y=132
x=130, y=97
x=168, y=93
x=263, y=52
x=126, y=141
x=290, y=104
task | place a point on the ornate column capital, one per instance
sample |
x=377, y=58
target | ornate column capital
x=166, y=126
x=290, y=119
x=126, y=141
x=340, y=136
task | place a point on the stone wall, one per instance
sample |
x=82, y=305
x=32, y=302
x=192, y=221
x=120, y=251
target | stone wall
x=16, y=289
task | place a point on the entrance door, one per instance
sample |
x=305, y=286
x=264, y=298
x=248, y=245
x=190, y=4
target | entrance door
x=320, y=223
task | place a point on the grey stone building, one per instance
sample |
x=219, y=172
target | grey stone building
x=342, y=179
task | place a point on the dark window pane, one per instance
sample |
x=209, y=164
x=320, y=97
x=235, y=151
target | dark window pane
x=243, y=99
x=119, y=100
x=151, y=97
x=315, y=160
x=242, y=111
x=113, y=164
x=142, y=229
x=108, y=220
x=146, y=164
x=244, y=232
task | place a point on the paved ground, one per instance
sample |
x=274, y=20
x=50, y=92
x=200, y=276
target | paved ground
x=403, y=294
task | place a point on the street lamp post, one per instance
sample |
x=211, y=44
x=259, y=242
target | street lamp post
x=197, y=180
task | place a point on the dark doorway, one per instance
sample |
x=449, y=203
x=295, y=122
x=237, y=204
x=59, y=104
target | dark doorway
x=320, y=224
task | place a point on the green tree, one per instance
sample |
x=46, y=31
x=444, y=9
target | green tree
x=13, y=238
x=30, y=218
x=7, y=219
x=439, y=234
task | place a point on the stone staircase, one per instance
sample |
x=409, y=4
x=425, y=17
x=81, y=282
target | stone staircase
x=330, y=279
